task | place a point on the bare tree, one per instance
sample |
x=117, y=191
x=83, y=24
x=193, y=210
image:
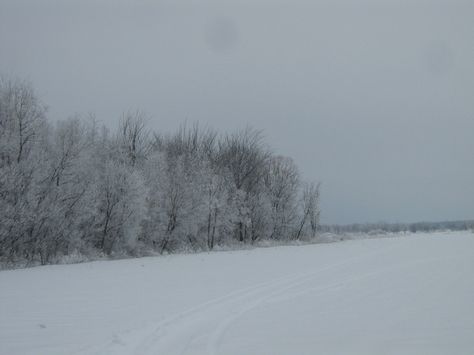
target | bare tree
x=310, y=210
x=134, y=138
x=22, y=127
x=245, y=157
x=282, y=182
x=22, y=116
x=176, y=203
x=220, y=209
x=121, y=204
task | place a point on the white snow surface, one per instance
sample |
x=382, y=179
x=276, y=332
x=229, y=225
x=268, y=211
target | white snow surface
x=403, y=295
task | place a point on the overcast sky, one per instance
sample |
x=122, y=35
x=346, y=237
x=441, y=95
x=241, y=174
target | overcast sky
x=373, y=98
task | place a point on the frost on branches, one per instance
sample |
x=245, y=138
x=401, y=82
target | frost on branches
x=73, y=188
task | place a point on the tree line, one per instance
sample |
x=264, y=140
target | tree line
x=75, y=187
x=383, y=227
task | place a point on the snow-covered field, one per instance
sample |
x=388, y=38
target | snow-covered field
x=404, y=295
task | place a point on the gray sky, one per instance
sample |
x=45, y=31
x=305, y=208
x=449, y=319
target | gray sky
x=373, y=98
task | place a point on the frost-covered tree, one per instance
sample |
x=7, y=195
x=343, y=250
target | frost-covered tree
x=22, y=130
x=74, y=188
x=220, y=209
x=310, y=211
x=245, y=157
x=133, y=138
x=175, y=204
x=22, y=117
x=72, y=176
x=282, y=183
x=120, y=198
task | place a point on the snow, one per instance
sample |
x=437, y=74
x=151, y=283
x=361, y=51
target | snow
x=402, y=295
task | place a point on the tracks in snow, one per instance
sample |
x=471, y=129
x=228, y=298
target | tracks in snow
x=200, y=330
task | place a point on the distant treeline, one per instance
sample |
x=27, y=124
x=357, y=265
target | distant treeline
x=74, y=189
x=398, y=227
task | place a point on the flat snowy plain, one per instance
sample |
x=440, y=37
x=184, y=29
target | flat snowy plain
x=403, y=295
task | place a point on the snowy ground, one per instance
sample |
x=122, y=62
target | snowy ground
x=405, y=295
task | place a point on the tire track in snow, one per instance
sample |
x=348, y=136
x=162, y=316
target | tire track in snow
x=200, y=329
x=220, y=330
